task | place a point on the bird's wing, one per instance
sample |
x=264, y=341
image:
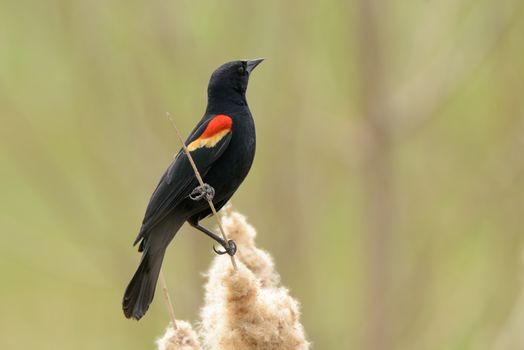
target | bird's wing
x=206, y=144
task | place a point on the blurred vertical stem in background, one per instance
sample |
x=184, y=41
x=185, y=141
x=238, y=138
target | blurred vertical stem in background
x=377, y=174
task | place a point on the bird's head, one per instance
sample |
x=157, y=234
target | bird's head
x=231, y=78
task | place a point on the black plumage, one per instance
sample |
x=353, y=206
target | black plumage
x=223, y=148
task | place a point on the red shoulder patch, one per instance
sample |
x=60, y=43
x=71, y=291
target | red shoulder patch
x=219, y=123
x=216, y=129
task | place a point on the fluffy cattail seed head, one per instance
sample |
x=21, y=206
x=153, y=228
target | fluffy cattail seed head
x=181, y=338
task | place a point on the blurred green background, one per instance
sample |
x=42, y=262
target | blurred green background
x=388, y=182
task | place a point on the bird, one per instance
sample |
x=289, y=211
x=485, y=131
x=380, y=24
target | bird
x=222, y=145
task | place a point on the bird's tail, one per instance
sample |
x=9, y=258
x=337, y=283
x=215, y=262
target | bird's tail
x=140, y=291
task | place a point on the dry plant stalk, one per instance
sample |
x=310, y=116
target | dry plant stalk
x=167, y=298
x=510, y=335
x=249, y=309
x=201, y=182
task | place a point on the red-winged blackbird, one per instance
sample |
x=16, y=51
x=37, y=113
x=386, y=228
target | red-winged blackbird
x=223, y=147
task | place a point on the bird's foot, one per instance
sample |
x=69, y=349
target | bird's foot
x=230, y=248
x=204, y=191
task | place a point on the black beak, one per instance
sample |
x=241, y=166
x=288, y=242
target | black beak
x=251, y=64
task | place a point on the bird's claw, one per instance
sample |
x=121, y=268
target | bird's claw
x=231, y=248
x=204, y=191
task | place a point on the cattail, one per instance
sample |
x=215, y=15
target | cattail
x=181, y=338
x=247, y=309
x=256, y=260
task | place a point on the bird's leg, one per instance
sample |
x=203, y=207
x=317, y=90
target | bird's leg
x=204, y=191
x=208, y=192
x=229, y=246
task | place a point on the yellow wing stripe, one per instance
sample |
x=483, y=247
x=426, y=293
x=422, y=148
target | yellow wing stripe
x=207, y=142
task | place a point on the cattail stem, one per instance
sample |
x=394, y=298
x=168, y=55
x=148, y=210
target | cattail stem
x=201, y=182
x=167, y=298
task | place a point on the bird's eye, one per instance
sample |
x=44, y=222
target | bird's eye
x=241, y=69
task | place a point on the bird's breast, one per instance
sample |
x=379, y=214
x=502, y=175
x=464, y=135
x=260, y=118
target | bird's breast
x=234, y=164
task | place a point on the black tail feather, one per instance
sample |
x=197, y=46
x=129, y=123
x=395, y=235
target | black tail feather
x=140, y=291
